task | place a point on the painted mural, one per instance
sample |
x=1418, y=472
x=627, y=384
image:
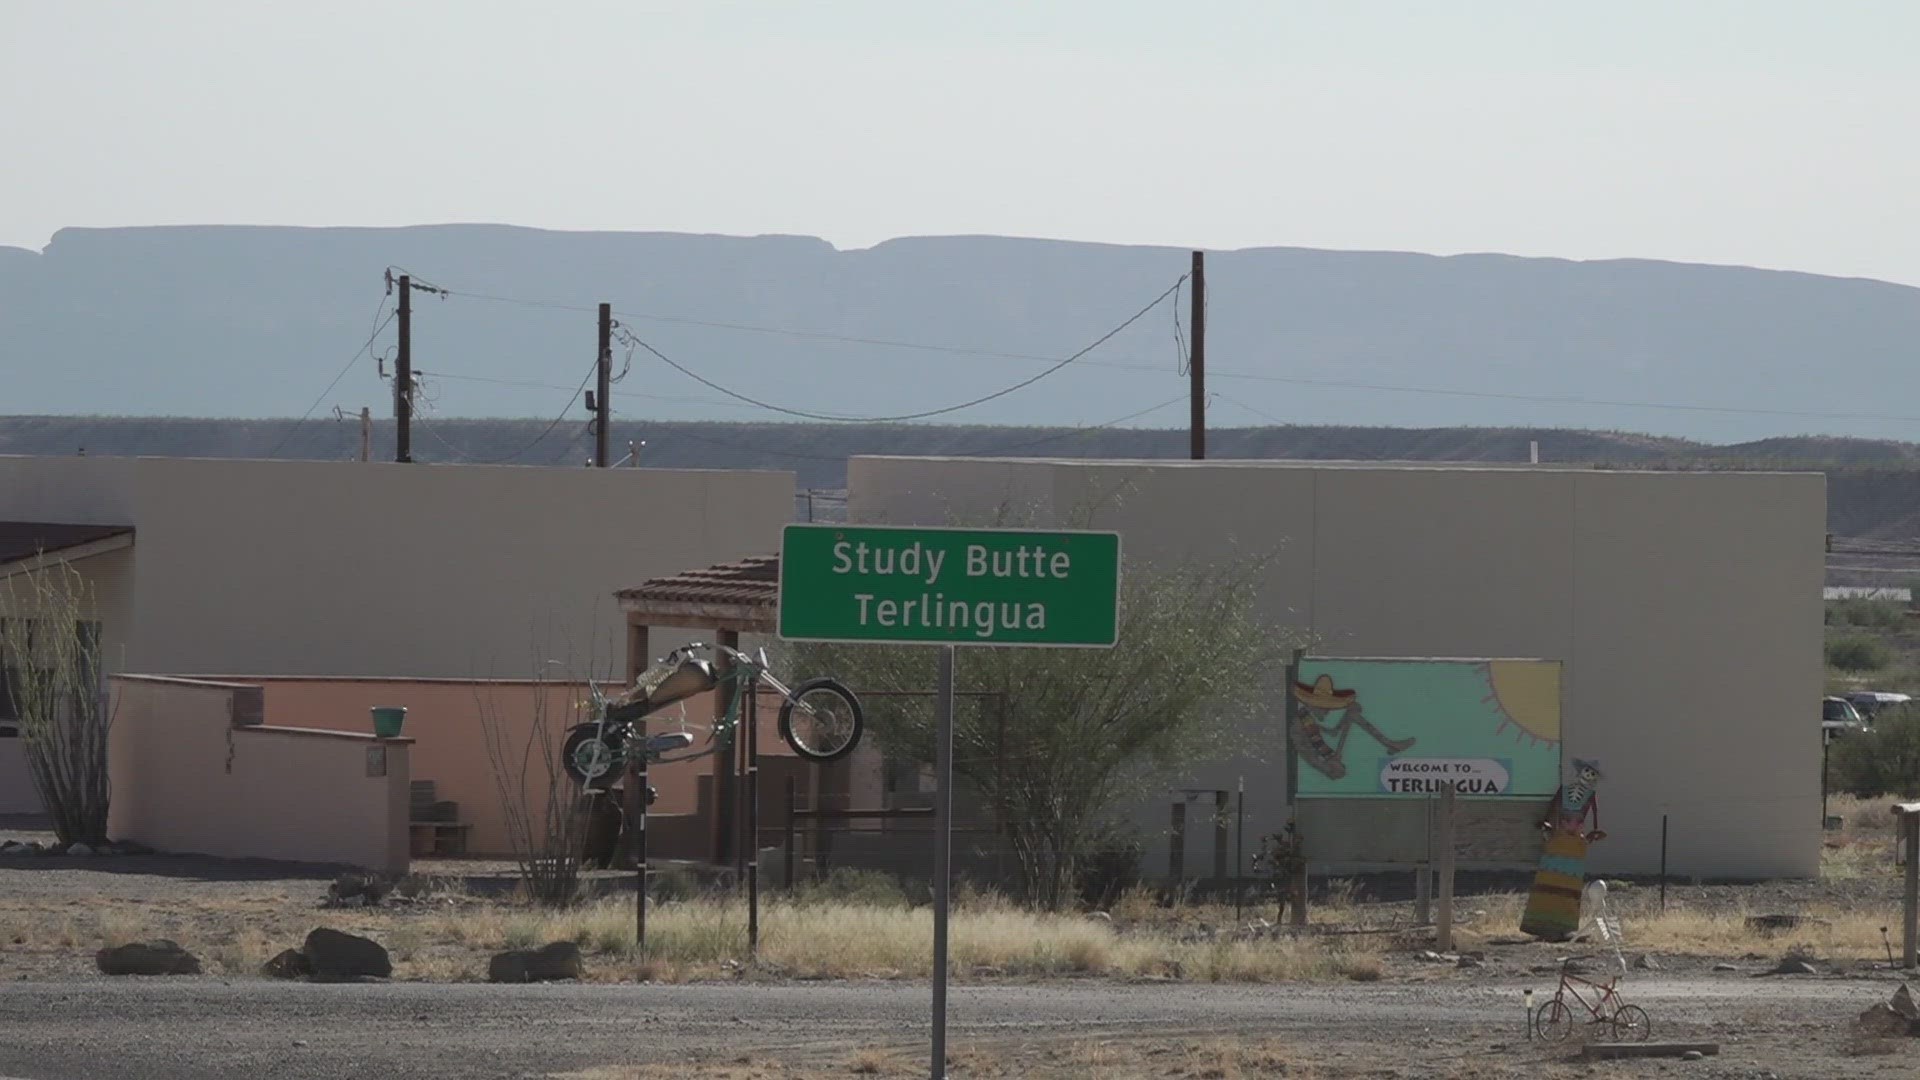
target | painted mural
x=1386, y=728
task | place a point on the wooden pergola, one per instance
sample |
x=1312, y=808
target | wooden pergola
x=730, y=599
x=727, y=600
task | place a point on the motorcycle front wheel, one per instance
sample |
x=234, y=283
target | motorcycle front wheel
x=821, y=721
x=593, y=752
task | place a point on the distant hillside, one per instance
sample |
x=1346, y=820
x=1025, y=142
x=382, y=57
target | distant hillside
x=249, y=322
x=817, y=453
x=1873, y=487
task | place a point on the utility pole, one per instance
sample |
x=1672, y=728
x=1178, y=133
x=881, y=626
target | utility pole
x=403, y=376
x=366, y=433
x=1197, y=358
x=603, y=385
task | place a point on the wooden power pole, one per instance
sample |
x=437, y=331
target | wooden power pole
x=366, y=433
x=403, y=376
x=603, y=387
x=1197, y=358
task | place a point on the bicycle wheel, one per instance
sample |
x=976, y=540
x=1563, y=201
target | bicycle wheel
x=822, y=720
x=1553, y=1021
x=591, y=753
x=1631, y=1024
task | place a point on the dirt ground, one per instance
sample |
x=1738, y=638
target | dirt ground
x=1415, y=1015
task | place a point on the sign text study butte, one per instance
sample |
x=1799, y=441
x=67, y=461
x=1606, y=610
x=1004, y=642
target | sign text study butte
x=962, y=586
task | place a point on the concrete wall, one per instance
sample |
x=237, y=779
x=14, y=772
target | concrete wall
x=188, y=778
x=18, y=796
x=357, y=568
x=446, y=721
x=1685, y=607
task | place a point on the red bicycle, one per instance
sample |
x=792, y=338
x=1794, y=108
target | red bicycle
x=1602, y=1003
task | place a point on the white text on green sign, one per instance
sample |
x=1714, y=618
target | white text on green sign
x=963, y=586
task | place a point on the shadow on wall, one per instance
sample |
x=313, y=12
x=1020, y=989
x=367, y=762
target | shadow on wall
x=19, y=800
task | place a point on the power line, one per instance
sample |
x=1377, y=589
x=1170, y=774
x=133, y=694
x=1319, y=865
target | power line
x=379, y=325
x=538, y=439
x=1003, y=392
x=534, y=384
x=661, y=436
x=1219, y=373
x=1264, y=415
x=1176, y=399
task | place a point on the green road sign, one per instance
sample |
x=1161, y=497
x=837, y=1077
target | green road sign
x=949, y=586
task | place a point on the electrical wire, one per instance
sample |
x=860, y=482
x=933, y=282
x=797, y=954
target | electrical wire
x=532, y=384
x=1083, y=430
x=540, y=438
x=1181, y=352
x=379, y=325
x=1003, y=392
x=1212, y=372
x=1263, y=415
x=989, y=451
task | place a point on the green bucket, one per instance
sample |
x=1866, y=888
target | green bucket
x=387, y=720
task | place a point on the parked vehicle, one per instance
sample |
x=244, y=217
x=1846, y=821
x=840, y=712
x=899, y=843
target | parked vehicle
x=1870, y=702
x=1838, y=717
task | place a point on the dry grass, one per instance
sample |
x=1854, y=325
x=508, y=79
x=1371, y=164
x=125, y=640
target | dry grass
x=1843, y=931
x=840, y=940
x=449, y=936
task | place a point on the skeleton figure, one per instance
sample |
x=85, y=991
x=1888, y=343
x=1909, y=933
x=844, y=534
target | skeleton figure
x=1311, y=737
x=1573, y=803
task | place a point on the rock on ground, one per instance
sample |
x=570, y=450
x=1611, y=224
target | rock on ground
x=1793, y=965
x=559, y=960
x=353, y=885
x=1880, y=1021
x=160, y=957
x=290, y=964
x=1902, y=1002
x=335, y=956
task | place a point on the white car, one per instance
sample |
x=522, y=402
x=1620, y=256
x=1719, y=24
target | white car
x=1869, y=702
x=1838, y=717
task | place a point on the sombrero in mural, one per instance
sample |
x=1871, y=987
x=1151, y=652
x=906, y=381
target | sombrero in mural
x=1313, y=748
x=1322, y=694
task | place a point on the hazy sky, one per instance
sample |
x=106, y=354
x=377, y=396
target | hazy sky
x=1777, y=133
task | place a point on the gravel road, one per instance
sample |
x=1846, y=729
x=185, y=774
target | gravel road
x=260, y=1030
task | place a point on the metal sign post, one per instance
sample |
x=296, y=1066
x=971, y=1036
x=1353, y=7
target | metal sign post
x=942, y=852
x=948, y=587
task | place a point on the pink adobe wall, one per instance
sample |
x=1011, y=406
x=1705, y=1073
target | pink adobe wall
x=187, y=778
x=444, y=721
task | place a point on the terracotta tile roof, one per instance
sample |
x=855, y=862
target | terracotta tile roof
x=25, y=539
x=752, y=582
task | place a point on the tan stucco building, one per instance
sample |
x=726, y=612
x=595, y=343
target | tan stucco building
x=1684, y=608
x=279, y=568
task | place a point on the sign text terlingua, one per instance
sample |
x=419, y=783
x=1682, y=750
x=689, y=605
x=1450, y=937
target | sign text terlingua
x=949, y=586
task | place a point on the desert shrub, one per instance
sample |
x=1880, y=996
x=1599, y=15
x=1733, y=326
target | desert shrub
x=1883, y=760
x=1857, y=654
x=1109, y=868
x=672, y=883
x=845, y=884
x=1875, y=614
